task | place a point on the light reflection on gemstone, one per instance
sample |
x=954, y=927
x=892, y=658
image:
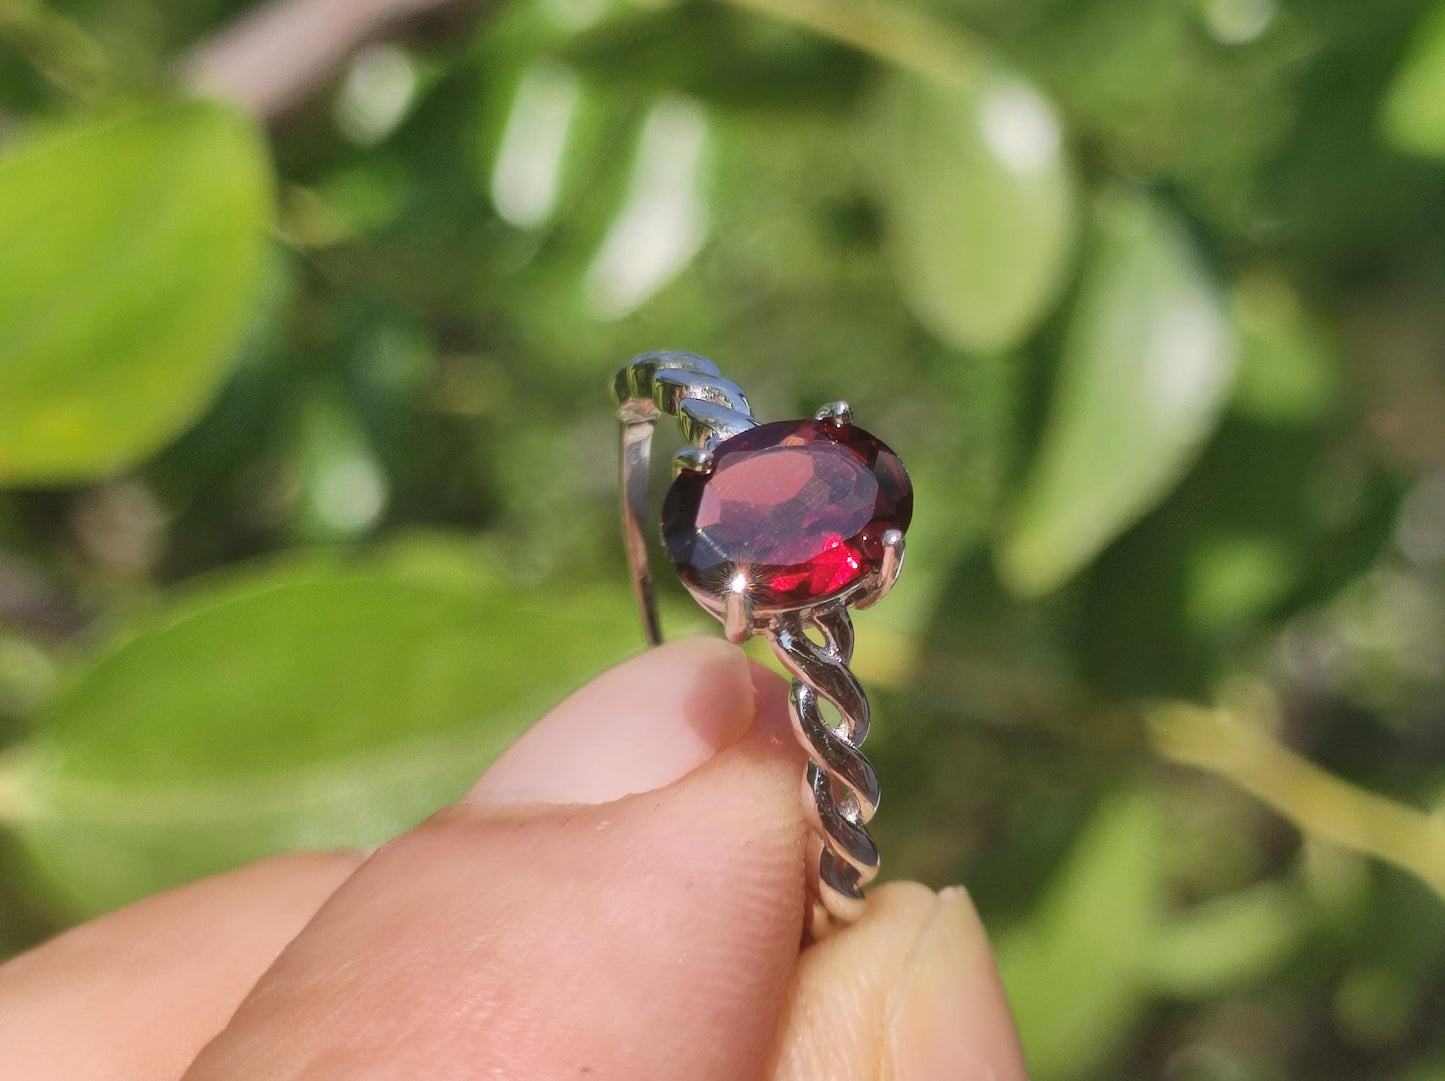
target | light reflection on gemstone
x=795, y=509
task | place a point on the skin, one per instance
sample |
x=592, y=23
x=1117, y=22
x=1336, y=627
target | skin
x=619, y=896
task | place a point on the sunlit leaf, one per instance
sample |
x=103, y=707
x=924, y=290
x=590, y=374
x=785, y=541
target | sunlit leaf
x=979, y=204
x=1075, y=970
x=1414, y=114
x=1240, y=936
x=310, y=704
x=1231, y=578
x=1289, y=372
x=664, y=218
x=1146, y=368
x=1083, y=967
x=341, y=488
x=527, y=177
x=131, y=254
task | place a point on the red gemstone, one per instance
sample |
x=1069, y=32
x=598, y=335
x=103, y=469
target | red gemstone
x=797, y=507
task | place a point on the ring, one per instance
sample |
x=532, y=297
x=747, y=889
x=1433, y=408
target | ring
x=777, y=529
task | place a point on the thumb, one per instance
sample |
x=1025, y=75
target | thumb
x=621, y=896
x=908, y=993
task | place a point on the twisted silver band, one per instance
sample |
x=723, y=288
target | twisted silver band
x=840, y=788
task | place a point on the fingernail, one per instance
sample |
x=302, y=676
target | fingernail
x=947, y=1018
x=637, y=727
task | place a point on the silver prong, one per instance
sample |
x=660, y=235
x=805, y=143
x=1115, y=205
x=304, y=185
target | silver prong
x=887, y=572
x=738, y=616
x=892, y=556
x=839, y=414
x=692, y=459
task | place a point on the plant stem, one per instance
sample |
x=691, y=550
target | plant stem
x=277, y=54
x=888, y=29
x=1315, y=800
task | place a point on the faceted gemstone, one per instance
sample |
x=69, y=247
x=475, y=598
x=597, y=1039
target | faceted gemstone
x=797, y=508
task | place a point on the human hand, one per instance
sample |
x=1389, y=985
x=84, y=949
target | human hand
x=619, y=896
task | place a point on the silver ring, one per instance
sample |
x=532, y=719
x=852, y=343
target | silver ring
x=777, y=529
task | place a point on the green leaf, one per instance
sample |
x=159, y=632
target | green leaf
x=1075, y=970
x=1147, y=364
x=303, y=705
x=979, y=204
x=132, y=250
x=1083, y=967
x=342, y=489
x=1414, y=112
x=1228, y=941
x=1289, y=371
x=1231, y=578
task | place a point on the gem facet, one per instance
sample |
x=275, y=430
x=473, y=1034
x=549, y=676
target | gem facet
x=794, y=512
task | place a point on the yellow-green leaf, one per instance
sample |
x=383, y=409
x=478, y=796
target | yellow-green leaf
x=1075, y=969
x=1147, y=365
x=979, y=204
x=1084, y=966
x=130, y=258
x=310, y=704
x=1414, y=113
x=1228, y=941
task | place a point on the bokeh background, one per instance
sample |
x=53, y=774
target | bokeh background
x=307, y=317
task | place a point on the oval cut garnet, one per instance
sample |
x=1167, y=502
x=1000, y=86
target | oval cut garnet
x=797, y=507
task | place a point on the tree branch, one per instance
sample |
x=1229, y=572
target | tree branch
x=275, y=57
x=887, y=29
x=1315, y=800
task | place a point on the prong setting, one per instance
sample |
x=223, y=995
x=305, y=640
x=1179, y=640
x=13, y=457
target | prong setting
x=693, y=460
x=892, y=556
x=839, y=414
x=738, y=611
x=887, y=572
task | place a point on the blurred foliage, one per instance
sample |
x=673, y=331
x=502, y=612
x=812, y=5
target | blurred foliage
x=308, y=499
x=1145, y=365
x=133, y=241
x=979, y=205
x=373, y=677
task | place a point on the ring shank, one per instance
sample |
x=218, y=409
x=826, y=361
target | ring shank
x=709, y=409
x=840, y=788
x=636, y=450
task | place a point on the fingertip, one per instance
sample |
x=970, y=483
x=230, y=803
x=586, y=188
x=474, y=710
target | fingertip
x=319, y=863
x=771, y=716
x=767, y=683
x=635, y=728
x=834, y=1022
x=910, y=989
x=948, y=1019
